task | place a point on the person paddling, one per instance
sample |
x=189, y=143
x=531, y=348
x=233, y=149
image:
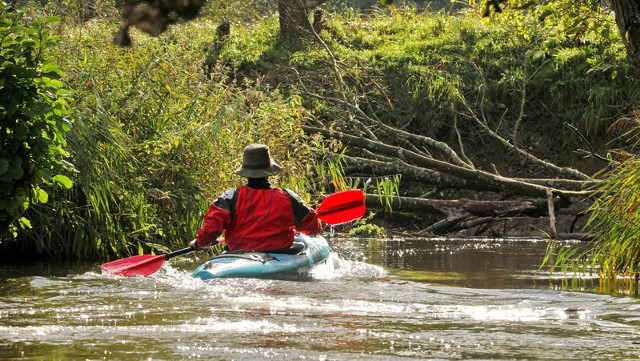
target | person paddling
x=257, y=216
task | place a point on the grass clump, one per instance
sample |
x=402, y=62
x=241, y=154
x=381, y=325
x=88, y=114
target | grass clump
x=368, y=231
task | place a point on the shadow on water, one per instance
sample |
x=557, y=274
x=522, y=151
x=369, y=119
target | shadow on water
x=373, y=299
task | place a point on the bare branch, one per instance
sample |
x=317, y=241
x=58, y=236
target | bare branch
x=592, y=151
x=483, y=124
x=502, y=183
x=567, y=172
x=552, y=215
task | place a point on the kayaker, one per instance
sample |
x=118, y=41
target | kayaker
x=257, y=216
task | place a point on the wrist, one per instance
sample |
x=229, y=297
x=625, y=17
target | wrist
x=195, y=244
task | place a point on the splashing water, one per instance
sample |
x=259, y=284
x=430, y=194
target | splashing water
x=336, y=267
x=347, y=309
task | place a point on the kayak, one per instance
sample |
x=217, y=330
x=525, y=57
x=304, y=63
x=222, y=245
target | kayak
x=306, y=253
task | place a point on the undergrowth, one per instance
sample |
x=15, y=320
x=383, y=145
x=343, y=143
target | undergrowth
x=159, y=127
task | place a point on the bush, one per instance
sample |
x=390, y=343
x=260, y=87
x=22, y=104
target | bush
x=368, y=231
x=155, y=140
x=33, y=106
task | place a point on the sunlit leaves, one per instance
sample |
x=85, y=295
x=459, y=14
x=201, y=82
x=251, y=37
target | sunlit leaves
x=63, y=181
x=614, y=223
x=32, y=110
x=155, y=139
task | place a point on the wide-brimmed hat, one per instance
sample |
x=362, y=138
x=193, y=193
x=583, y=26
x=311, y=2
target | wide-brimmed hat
x=257, y=162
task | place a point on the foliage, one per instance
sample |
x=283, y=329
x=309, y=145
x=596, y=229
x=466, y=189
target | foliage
x=614, y=222
x=33, y=108
x=575, y=33
x=159, y=127
x=434, y=65
x=367, y=231
x=155, y=140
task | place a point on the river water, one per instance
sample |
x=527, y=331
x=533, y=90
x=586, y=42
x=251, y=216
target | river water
x=438, y=299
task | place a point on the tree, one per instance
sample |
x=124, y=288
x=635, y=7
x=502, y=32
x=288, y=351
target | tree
x=294, y=17
x=627, y=15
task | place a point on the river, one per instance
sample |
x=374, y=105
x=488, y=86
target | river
x=400, y=299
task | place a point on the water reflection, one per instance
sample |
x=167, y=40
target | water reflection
x=479, y=262
x=374, y=300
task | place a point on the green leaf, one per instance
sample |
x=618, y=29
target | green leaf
x=52, y=83
x=15, y=172
x=25, y=222
x=63, y=180
x=43, y=196
x=52, y=19
x=21, y=132
x=49, y=68
x=4, y=166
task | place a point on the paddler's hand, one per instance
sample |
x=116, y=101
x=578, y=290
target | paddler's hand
x=193, y=244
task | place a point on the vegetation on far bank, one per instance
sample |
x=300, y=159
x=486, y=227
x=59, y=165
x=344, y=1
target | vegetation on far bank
x=156, y=129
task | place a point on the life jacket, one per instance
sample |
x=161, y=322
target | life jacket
x=263, y=219
x=258, y=219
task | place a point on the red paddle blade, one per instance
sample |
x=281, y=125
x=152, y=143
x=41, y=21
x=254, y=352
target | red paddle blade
x=342, y=207
x=143, y=265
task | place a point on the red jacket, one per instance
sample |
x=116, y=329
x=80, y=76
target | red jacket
x=260, y=219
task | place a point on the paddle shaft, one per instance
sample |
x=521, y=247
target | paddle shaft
x=179, y=252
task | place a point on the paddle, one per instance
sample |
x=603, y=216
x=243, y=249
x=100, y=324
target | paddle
x=337, y=208
x=342, y=207
x=142, y=265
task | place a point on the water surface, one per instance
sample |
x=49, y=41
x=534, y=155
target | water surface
x=374, y=300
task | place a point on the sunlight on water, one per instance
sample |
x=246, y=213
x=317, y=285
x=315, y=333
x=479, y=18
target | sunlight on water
x=357, y=305
x=516, y=314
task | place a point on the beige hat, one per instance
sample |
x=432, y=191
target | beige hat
x=257, y=163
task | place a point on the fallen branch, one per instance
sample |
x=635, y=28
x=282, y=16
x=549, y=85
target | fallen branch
x=492, y=181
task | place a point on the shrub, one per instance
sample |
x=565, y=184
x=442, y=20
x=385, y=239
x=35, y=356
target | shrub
x=33, y=108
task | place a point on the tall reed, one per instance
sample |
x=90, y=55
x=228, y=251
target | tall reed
x=614, y=224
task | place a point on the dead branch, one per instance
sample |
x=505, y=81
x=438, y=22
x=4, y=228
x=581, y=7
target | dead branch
x=552, y=215
x=500, y=183
x=410, y=172
x=464, y=214
x=483, y=124
x=592, y=152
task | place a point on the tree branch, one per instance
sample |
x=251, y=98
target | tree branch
x=501, y=183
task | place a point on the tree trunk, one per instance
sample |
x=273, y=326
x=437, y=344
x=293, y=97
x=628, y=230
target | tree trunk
x=628, y=20
x=294, y=19
x=481, y=208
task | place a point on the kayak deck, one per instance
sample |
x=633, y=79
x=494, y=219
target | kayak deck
x=265, y=264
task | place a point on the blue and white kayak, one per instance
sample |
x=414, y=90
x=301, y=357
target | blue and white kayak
x=266, y=264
